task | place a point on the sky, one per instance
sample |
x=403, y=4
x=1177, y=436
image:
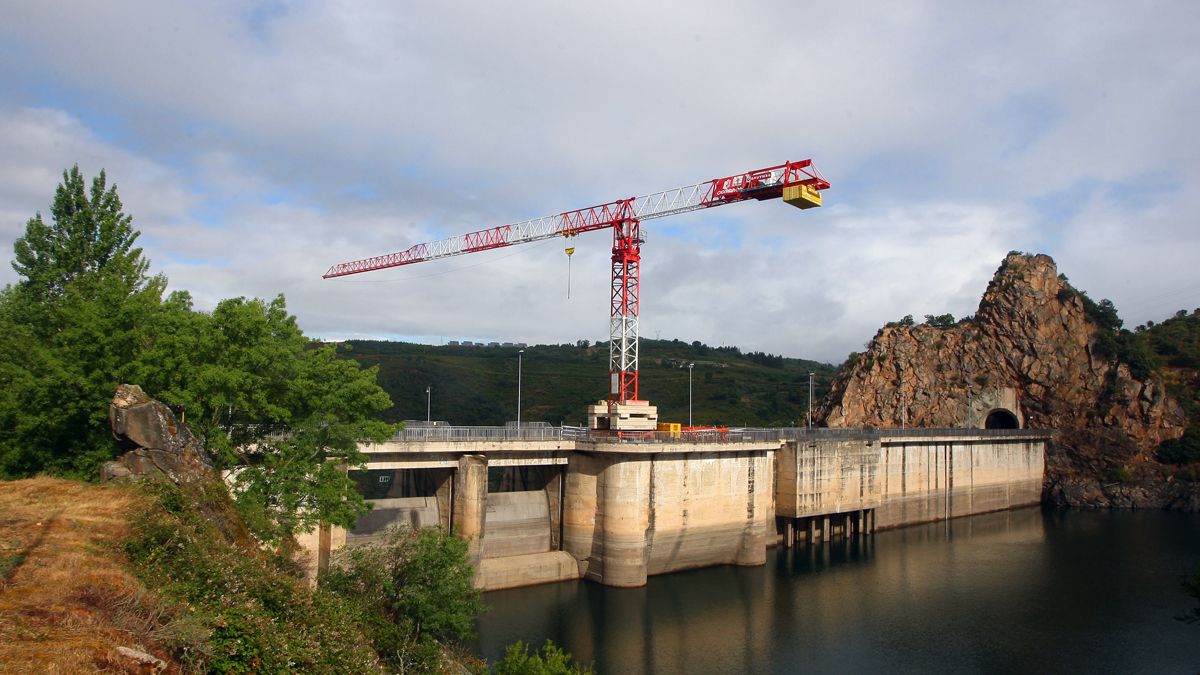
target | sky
x=256, y=144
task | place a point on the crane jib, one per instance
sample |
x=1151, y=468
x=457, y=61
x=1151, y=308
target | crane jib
x=759, y=184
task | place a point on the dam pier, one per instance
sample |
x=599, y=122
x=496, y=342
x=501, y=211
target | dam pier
x=541, y=504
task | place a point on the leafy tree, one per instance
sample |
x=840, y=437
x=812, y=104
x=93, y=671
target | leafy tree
x=70, y=326
x=287, y=416
x=89, y=234
x=940, y=320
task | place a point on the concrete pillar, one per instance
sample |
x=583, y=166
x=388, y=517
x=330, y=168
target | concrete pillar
x=811, y=527
x=445, y=497
x=323, y=548
x=470, y=503
x=554, y=494
x=789, y=533
x=579, y=509
x=825, y=527
x=846, y=526
x=623, y=512
x=753, y=550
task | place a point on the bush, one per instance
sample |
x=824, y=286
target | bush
x=1181, y=450
x=413, y=590
x=252, y=616
x=940, y=321
x=549, y=660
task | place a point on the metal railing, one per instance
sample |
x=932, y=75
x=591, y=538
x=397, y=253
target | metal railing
x=447, y=433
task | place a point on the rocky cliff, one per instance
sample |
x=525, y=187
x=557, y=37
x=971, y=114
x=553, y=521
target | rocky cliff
x=1030, y=356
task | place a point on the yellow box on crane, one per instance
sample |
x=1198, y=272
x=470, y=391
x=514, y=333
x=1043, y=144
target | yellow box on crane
x=802, y=196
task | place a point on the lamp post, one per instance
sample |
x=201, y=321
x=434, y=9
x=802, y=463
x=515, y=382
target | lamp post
x=690, y=366
x=428, y=403
x=810, y=395
x=520, y=355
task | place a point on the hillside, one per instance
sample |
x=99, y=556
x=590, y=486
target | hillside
x=478, y=385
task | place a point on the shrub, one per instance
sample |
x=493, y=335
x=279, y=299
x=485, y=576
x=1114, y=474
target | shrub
x=549, y=660
x=413, y=590
x=1181, y=450
x=250, y=614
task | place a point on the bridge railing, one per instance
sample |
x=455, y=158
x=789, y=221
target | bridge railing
x=470, y=433
x=447, y=433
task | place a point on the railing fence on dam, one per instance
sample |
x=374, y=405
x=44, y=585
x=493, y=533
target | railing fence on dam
x=541, y=503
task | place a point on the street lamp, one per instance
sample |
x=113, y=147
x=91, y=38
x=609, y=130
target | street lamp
x=810, y=395
x=520, y=354
x=690, y=366
x=428, y=403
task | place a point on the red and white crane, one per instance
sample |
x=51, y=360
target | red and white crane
x=798, y=183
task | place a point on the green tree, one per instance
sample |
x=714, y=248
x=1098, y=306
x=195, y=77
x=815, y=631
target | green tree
x=89, y=234
x=285, y=415
x=940, y=321
x=71, y=324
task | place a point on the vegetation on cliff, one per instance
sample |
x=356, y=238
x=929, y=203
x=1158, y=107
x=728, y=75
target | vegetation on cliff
x=1175, y=348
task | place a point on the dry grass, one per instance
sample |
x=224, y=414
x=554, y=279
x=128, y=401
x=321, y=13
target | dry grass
x=66, y=600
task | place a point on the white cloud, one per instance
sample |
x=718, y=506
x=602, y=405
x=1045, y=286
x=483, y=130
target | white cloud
x=255, y=148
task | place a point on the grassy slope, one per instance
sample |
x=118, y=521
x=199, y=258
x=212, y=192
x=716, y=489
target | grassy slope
x=66, y=599
x=478, y=385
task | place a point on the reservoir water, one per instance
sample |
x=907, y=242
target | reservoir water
x=1026, y=591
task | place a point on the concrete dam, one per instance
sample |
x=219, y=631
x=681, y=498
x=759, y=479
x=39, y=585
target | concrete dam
x=545, y=504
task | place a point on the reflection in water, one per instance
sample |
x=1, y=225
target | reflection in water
x=1019, y=591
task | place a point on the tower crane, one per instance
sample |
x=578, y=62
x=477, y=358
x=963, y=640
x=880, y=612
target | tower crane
x=798, y=183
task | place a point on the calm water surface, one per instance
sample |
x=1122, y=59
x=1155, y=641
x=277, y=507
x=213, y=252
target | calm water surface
x=1026, y=591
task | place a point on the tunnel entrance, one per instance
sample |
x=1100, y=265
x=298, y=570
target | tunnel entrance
x=1001, y=419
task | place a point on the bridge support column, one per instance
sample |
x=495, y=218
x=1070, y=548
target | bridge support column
x=825, y=528
x=811, y=530
x=470, y=503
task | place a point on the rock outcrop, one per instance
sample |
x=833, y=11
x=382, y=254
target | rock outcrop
x=155, y=441
x=1029, y=357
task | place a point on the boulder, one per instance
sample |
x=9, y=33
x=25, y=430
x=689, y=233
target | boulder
x=154, y=440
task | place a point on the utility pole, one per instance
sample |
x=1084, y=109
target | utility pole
x=810, y=395
x=428, y=403
x=690, y=366
x=520, y=354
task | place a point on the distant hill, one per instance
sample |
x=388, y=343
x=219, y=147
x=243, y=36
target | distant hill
x=478, y=385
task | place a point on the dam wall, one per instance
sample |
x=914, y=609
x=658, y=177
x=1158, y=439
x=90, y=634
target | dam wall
x=896, y=480
x=617, y=512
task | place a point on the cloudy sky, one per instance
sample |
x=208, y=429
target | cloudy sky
x=257, y=144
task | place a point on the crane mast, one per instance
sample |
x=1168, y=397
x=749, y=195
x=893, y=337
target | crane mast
x=798, y=183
